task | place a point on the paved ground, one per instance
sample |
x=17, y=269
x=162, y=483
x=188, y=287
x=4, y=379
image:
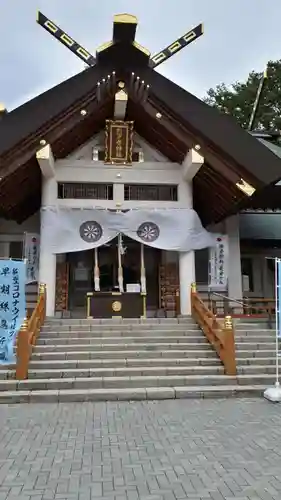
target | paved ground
x=172, y=450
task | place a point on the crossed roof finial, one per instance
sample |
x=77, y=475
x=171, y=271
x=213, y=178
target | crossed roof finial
x=124, y=31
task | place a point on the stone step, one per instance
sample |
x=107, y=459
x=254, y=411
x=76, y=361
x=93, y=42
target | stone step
x=43, y=349
x=87, y=364
x=255, y=333
x=90, y=348
x=117, y=382
x=169, y=329
x=251, y=339
x=251, y=328
x=260, y=353
x=134, y=394
x=120, y=321
x=125, y=371
x=159, y=370
x=256, y=379
x=255, y=369
x=149, y=334
x=104, y=354
x=266, y=361
x=253, y=346
x=44, y=341
x=121, y=334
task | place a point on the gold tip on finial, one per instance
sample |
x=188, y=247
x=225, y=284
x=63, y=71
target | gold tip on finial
x=265, y=73
x=24, y=325
x=125, y=18
x=228, y=323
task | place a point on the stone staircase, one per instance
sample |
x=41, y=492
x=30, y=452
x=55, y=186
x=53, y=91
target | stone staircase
x=255, y=353
x=102, y=360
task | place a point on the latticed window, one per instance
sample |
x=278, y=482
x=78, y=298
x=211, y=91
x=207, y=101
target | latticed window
x=151, y=192
x=85, y=191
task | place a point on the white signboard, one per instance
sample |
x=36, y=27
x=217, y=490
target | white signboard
x=133, y=287
x=218, y=264
x=31, y=254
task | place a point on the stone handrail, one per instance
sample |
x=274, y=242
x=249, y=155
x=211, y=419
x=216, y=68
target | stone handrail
x=220, y=336
x=28, y=335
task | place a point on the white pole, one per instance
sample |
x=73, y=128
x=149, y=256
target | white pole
x=273, y=394
x=277, y=312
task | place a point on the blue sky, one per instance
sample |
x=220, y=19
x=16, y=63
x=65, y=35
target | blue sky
x=239, y=36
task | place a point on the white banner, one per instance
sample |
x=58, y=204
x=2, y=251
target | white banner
x=218, y=264
x=72, y=230
x=31, y=254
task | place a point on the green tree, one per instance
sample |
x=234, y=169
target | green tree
x=238, y=99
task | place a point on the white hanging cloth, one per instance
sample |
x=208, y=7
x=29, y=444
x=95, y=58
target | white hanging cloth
x=70, y=230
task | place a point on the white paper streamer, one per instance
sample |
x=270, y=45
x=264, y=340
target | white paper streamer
x=96, y=272
x=120, y=269
x=143, y=276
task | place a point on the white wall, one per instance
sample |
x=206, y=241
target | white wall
x=139, y=173
x=85, y=152
x=156, y=169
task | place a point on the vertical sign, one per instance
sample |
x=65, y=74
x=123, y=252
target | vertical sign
x=278, y=297
x=119, y=142
x=12, y=306
x=31, y=254
x=218, y=264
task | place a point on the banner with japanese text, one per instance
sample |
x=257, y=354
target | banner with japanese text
x=31, y=254
x=218, y=264
x=12, y=306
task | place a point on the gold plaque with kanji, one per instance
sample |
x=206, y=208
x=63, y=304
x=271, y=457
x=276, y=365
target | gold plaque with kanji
x=119, y=142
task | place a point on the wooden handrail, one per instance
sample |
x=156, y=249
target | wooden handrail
x=255, y=307
x=221, y=337
x=28, y=335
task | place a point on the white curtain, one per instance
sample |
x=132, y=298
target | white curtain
x=71, y=230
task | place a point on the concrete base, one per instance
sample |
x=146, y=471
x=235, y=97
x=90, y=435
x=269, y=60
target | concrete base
x=273, y=394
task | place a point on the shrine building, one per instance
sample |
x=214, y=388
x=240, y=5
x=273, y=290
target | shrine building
x=130, y=180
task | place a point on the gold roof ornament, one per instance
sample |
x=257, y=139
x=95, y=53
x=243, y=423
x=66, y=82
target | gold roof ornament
x=104, y=46
x=125, y=18
x=124, y=29
x=245, y=187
